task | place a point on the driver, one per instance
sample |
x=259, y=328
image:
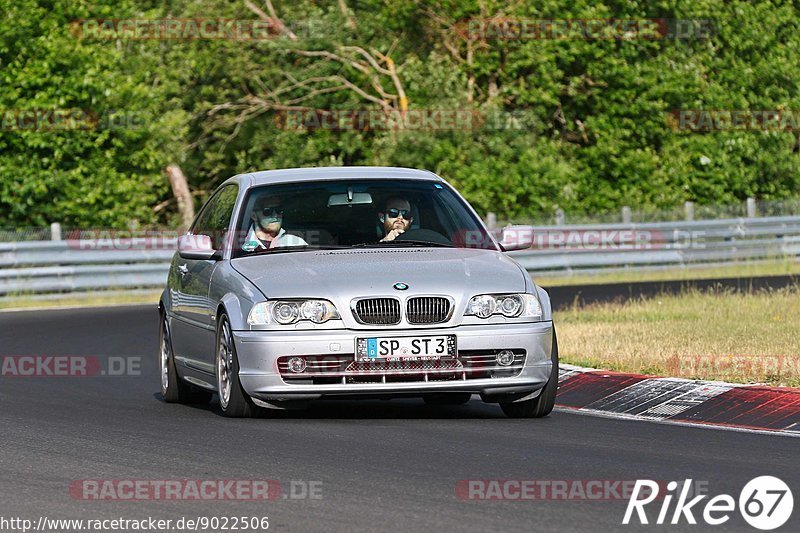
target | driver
x=396, y=218
x=265, y=229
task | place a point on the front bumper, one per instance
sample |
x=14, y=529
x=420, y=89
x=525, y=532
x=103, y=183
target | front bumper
x=258, y=353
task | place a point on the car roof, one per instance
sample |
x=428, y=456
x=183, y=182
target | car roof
x=291, y=175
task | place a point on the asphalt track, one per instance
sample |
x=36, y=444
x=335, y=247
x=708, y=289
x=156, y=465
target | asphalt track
x=384, y=466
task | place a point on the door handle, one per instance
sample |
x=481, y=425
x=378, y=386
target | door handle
x=183, y=269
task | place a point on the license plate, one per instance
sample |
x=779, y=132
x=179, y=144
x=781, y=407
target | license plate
x=405, y=348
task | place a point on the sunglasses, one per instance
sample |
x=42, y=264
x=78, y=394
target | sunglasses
x=271, y=211
x=394, y=213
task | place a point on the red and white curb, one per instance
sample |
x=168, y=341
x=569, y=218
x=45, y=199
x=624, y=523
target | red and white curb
x=682, y=401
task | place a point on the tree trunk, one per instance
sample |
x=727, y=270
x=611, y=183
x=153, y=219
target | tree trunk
x=180, y=189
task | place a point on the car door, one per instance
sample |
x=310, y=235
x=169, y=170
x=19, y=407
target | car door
x=194, y=330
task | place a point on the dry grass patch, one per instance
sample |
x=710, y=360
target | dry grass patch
x=742, y=270
x=89, y=299
x=744, y=338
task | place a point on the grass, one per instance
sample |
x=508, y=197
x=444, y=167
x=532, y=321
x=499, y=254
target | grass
x=91, y=299
x=727, y=336
x=742, y=270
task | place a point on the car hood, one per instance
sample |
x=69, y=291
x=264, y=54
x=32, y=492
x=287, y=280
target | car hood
x=340, y=275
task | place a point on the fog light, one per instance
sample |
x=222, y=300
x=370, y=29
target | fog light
x=297, y=364
x=505, y=358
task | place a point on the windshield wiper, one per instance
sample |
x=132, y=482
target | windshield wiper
x=287, y=249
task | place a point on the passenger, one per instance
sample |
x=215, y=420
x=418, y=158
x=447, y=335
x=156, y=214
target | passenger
x=266, y=229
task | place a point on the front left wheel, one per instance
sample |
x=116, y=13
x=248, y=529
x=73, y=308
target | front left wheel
x=233, y=400
x=173, y=388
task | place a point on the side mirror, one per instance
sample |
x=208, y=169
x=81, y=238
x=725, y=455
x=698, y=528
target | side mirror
x=195, y=247
x=517, y=238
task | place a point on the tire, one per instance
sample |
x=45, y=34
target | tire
x=233, y=400
x=173, y=388
x=543, y=404
x=447, y=398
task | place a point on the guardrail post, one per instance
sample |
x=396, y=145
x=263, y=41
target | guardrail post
x=688, y=208
x=751, y=208
x=559, y=217
x=55, y=231
x=626, y=214
x=491, y=220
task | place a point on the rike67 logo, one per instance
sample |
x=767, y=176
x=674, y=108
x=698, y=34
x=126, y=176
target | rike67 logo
x=765, y=503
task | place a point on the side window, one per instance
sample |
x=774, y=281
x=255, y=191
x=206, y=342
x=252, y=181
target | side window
x=222, y=210
x=201, y=224
x=216, y=215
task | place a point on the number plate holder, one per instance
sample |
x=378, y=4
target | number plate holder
x=416, y=348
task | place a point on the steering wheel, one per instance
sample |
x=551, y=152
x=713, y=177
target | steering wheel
x=423, y=235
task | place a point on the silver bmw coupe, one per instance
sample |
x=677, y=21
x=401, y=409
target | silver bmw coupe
x=351, y=282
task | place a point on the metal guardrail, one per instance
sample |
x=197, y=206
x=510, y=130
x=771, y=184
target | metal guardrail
x=36, y=267
x=567, y=250
x=39, y=267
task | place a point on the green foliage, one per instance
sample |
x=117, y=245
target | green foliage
x=106, y=172
x=596, y=135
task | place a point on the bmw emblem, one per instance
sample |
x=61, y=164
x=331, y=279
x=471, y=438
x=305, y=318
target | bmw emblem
x=400, y=286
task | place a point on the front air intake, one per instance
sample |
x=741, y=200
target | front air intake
x=378, y=311
x=427, y=310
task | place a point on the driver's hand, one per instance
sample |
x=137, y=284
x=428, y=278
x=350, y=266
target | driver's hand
x=392, y=235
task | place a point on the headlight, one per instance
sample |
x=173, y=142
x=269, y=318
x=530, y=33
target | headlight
x=483, y=306
x=508, y=305
x=287, y=312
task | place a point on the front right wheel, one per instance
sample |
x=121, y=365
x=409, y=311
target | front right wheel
x=233, y=400
x=543, y=404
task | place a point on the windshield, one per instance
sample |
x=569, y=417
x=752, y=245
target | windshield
x=356, y=213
